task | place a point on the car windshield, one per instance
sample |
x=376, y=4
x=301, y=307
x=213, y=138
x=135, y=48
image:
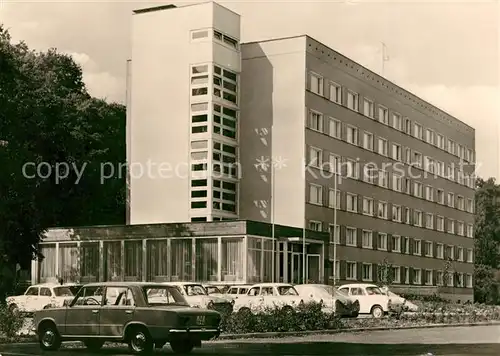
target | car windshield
x=287, y=290
x=163, y=296
x=194, y=289
x=373, y=291
x=213, y=290
x=63, y=292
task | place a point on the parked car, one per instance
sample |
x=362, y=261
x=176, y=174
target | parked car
x=235, y=291
x=198, y=297
x=333, y=300
x=40, y=296
x=397, y=300
x=216, y=291
x=143, y=315
x=268, y=295
x=371, y=299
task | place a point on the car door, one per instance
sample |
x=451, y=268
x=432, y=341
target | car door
x=44, y=298
x=118, y=309
x=365, y=304
x=82, y=316
x=28, y=301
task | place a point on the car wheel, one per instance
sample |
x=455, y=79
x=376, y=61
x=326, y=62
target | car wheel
x=139, y=341
x=244, y=311
x=47, y=306
x=93, y=345
x=181, y=346
x=377, y=311
x=49, y=338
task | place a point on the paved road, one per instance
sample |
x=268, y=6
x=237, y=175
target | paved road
x=462, y=341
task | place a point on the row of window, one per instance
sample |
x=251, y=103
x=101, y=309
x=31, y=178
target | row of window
x=218, y=36
x=365, y=272
x=387, y=117
x=354, y=203
x=224, y=195
x=224, y=83
x=394, y=150
x=349, y=168
x=399, y=244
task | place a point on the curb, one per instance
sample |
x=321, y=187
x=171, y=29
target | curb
x=272, y=335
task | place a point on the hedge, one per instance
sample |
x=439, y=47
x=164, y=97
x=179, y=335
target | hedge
x=309, y=317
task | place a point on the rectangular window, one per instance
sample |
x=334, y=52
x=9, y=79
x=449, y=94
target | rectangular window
x=460, y=228
x=468, y=280
x=397, y=121
x=335, y=128
x=334, y=233
x=335, y=164
x=451, y=146
x=350, y=236
x=367, y=239
x=397, y=213
x=417, y=276
x=417, y=189
x=367, y=206
x=315, y=121
x=383, y=115
x=460, y=254
x=396, y=274
x=440, y=141
x=352, y=135
x=417, y=159
x=199, y=34
x=440, y=223
x=396, y=152
x=315, y=157
x=470, y=230
x=335, y=93
x=429, y=136
x=383, y=179
x=382, y=210
x=397, y=182
x=315, y=225
x=368, y=141
x=315, y=194
x=382, y=241
x=417, y=131
x=352, y=100
x=451, y=200
x=440, y=251
x=470, y=255
x=352, y=169
x=460, y=202
x=396, y=243
x=368, y=108
x=417, y=219
x=334, y=198
x=352, y=203
x=407, y=126
x=382, y=146
x=351, y=273
x=407, y=216
x=451, y=226
x=428, y=249
x=417, y=247
x=406, y=244
x=316, y=83
x=428, y=277
x=429, y=193
x=367, y=272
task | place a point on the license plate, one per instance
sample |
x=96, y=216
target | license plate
x=200, y=320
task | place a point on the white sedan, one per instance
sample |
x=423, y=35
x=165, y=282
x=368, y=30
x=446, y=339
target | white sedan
x=371, y=299
x=268, y=295
x=332, y=299
x=40, y=296
x=198, y=297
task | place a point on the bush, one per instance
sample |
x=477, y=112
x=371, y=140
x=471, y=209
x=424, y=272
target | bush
x=274, y=319
x=10, y=323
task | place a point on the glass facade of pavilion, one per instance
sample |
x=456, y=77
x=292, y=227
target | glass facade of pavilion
x=218, y=252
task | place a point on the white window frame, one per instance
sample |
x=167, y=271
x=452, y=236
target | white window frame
x=337, y=124
x=355, y=272
x=385, y=207
x=315, y=117
x=352, y=135
x=319, y=195
x=440, y=197
x=337, y=97
x=366, y=144
x=370, y=235
x=440, y=251
x=397, y=217
x=355, y=237
x=333, y=198
x=417, y=243
x=430, y=225
x=429, y=193
x=429, y=281
x=416, y=222
x=370, y=268
x=417, y=276
x=355, y=99
x=317, y=163
x=396, y=238
x=382, y=146
x=320, y=82
x=383, y=115
x=336, y=233
x=395, y=155
x=396, y=271
x=428, y=253
x=417, y=189
x=315, y=223
x=469, y=256
x=440, y=226
x=397, y=182
x=354, y=198
x=397, y=121
x=429, y=136
x=371, y=108
x=450, y=202
x=368, y=202
x=382, y=236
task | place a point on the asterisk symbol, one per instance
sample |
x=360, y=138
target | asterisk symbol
x=262, y=163
x=279, y=162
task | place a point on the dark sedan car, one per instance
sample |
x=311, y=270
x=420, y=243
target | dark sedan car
x=143, y=315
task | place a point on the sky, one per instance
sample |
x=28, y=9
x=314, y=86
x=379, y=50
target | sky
x=446, y=52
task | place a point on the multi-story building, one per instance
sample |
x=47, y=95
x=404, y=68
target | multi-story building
x=184, y=107
x=404, y=196
x=291, y=132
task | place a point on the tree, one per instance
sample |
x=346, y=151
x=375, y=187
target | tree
x=47, y=116
x=385, y=273
x=487, y=241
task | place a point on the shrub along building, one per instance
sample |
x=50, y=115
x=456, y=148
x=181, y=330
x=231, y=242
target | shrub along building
x=257, y=131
